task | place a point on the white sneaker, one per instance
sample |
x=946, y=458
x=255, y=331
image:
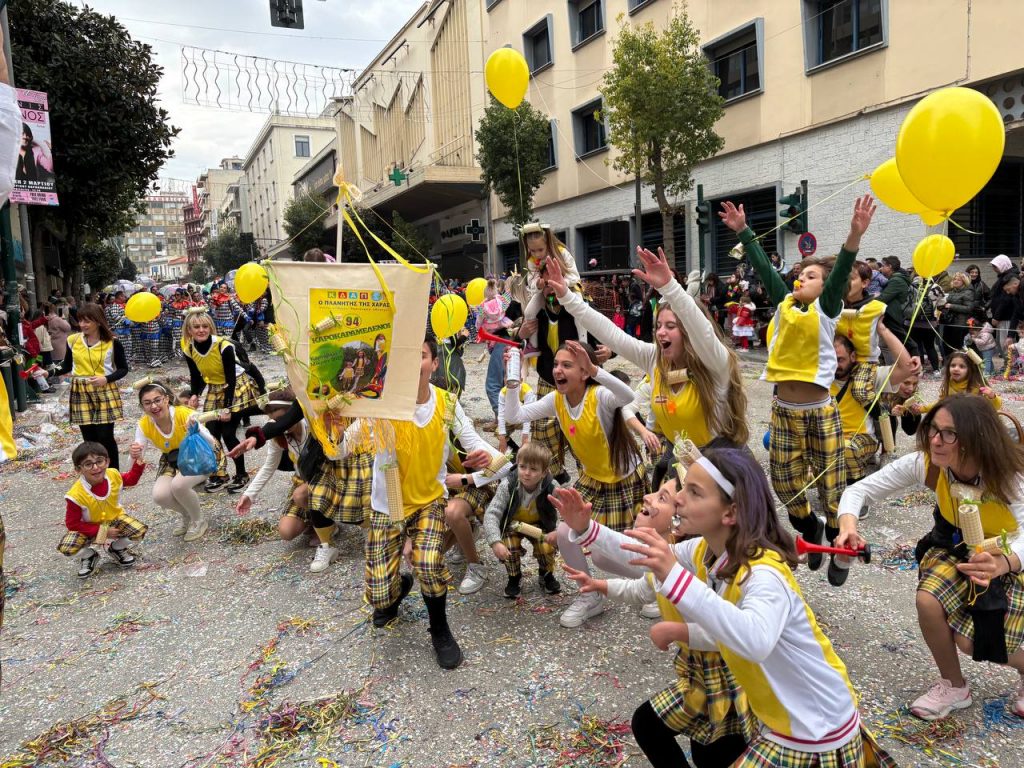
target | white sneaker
x=476, y=575
x=324, y=556
x=181, y=528
x=583, y=607
x=197, y=530
x=455, y=556
x=651, y=611
x=865, y=510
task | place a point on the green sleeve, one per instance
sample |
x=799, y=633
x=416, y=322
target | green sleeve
x=773, y=283
x=831, y=300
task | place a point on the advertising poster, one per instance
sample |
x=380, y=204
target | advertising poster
x=349, y=342
x=34, y=181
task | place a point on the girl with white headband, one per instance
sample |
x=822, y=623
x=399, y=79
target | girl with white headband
x=734, y=585
x=163, y=426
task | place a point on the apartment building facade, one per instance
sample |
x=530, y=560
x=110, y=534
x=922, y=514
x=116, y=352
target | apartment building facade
x=158, y=235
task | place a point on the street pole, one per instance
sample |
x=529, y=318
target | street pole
x=13, y=307
x=701, y=237
x=637, y=225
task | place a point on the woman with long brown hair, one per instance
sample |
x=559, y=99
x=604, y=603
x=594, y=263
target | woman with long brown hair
x=96, y=361
x=968, y=596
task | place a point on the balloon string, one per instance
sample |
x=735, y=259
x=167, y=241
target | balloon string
x=823, y=200
x=949, y=218
x=867, y=411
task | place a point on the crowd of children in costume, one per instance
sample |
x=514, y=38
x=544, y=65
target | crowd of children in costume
x=667, y=498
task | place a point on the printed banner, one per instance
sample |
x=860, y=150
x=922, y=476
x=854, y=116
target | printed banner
x=34, y=180
x=349, y=343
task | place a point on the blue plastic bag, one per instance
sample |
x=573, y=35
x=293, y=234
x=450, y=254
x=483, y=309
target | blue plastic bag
x=195, y=456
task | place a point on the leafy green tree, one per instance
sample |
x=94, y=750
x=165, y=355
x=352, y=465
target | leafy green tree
x=352, y=250
x=513, y=155
x=110, y=138
x=304, y=224
x=224, y=252
x=409, y=240
x=663, y=103
x=102, y=264
x=128, y=269
x=200, y=273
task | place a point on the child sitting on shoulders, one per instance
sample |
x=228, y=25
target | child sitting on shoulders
x=982, y=338
x=94, y=516
x=523, y=497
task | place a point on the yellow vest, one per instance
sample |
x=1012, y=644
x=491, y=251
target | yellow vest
x=679, y=412
x=179, y=428
x=553, y=344
x=420, y=453
x=210, y=365
x=94, y=509
x=800, y=346
x=960, y=388
x=89, y=361
x=524, y=390
x=995, y=515
x=852, y=414
x=587, y=438
x=527, y=514
x=748, y=674
x=861, y=327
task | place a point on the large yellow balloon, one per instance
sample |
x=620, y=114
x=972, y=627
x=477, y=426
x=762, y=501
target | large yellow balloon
x=931, y=218
x=475, y=291
x=251, y=281
x=507, y=76
x=448, y=315
x=949, y=146
x=142, y=307
x=890, y=189
x=933, y=254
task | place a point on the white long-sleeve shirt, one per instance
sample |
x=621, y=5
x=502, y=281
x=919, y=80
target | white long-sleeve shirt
x=529, y=397
x=699, y=329
x=273, y=460
x=909, y=472
x=771, y=626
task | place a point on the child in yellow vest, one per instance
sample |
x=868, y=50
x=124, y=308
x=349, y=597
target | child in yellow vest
x=806, y=432
x=970, y=596
x=588, y=404
x=860, y=322
x=705, y=703
x=734, y=585
x=961, y=376
x=94, y=516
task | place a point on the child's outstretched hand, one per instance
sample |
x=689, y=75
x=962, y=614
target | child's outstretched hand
x=572, y=508
x=664, y=633
x=655, y=272
x=243, y=446
x=587, y=583
x=135, y=451
x=553, y=272
x=863, y=210
x=734, y=218
x=582, y=358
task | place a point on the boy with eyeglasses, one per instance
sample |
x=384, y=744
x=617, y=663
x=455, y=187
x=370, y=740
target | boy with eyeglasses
x=94, y=516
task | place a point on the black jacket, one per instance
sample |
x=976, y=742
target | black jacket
x=566, y=332
x=547, y=513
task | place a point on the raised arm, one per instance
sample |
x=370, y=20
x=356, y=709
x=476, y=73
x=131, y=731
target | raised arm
x=736, y=220
x=518, y=413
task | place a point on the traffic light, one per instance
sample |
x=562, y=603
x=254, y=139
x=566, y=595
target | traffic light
x=704, y=216
x=795, y=210
x=286, y=13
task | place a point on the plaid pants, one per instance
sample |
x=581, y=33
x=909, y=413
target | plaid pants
x=859, y=448
x=71, y=543
x=426, y=528
x=862, y=385
x=807, y=439
x=544, y=552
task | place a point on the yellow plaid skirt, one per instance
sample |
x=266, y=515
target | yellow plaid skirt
x=862, y=752
x=290, y=508
x=94, y=405
x=705, y=703
x=477, y=497
x=939, y=577
x=615, y=504
x=246, y=393
x=341, y=491
x=72, y=542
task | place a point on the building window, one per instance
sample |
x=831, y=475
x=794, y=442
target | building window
x=838, y=28
x=736, y=59
x=589, y=129
x=586, y=20
x=537, y=45
x=302, y=146
x=636, y=5
x=552, y=146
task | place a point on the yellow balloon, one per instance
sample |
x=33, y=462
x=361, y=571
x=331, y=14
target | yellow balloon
x=507, y=76
x=251, y=281
x=931, y=218
x=475, y=291
x=890, y=189
x=142, y=307
x=933, y=254
x=949, y=146
x=448, y=315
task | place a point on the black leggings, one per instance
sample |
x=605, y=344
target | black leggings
x=659, y=744
x=923, y=341
x=224, y=431
x=104, y=435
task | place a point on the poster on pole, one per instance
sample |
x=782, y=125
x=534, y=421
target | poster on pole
x=34, y=181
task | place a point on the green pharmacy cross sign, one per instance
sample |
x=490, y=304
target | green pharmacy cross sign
x=397, y=176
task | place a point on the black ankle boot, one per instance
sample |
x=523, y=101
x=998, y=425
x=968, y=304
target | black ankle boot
x=512, y=588
x=547, y=581
x=447, y=651
x=811, y=529
x=384, y=616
